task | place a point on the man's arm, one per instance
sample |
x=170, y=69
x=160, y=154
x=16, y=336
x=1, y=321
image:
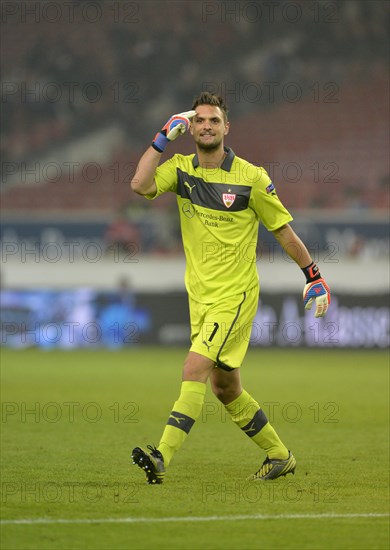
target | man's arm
x=316, y=288
x=292, y=244
x=143, y=182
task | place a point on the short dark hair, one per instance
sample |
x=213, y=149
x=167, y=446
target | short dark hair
x=207, y=98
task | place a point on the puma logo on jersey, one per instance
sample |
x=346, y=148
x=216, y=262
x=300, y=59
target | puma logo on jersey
x=190, y=187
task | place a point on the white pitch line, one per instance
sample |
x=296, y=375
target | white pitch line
x=260, y=517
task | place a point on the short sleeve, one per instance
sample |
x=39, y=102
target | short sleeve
x=265, y=202
x=165, y=178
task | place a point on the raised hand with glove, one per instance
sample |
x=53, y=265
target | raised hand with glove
x=316, y=290
x=176, y=125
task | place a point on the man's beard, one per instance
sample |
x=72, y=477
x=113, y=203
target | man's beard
x=208, y=146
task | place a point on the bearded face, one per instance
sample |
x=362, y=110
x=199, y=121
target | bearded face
x=209, y=127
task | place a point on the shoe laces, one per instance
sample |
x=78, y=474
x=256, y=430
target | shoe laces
x=154, y=451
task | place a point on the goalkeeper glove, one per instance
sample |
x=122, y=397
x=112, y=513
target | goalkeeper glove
x=177, y=124
x=315, y=289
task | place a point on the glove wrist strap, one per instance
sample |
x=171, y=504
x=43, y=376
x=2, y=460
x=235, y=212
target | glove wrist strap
x=311, y=272
x=160, y=142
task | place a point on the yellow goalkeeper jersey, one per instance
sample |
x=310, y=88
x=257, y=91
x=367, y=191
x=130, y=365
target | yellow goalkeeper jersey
x=220, y=210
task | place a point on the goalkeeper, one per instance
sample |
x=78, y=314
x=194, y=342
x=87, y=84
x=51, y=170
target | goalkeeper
x=221, y=199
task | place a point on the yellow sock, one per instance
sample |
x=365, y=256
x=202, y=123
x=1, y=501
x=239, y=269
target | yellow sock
x=247, y=414
x=185, y=411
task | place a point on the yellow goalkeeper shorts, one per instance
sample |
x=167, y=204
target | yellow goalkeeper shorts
x=221, y=331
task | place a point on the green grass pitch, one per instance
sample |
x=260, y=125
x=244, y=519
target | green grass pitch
x=71, y=419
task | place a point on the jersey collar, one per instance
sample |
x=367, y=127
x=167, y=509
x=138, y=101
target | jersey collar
x=227, y=163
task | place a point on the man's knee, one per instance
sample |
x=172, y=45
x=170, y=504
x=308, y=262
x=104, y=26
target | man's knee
x=225, y=392
x=219, y=392
x=197, y=367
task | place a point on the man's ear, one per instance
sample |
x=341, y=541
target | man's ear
x=227, y=128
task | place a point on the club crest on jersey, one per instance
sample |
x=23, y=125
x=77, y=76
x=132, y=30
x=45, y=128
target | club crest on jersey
x=228, y=199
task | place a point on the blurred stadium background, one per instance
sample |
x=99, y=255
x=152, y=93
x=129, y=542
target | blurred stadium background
x=84, y=88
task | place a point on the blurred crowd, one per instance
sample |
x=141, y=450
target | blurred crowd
x=69, y=72
x=72, y=69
